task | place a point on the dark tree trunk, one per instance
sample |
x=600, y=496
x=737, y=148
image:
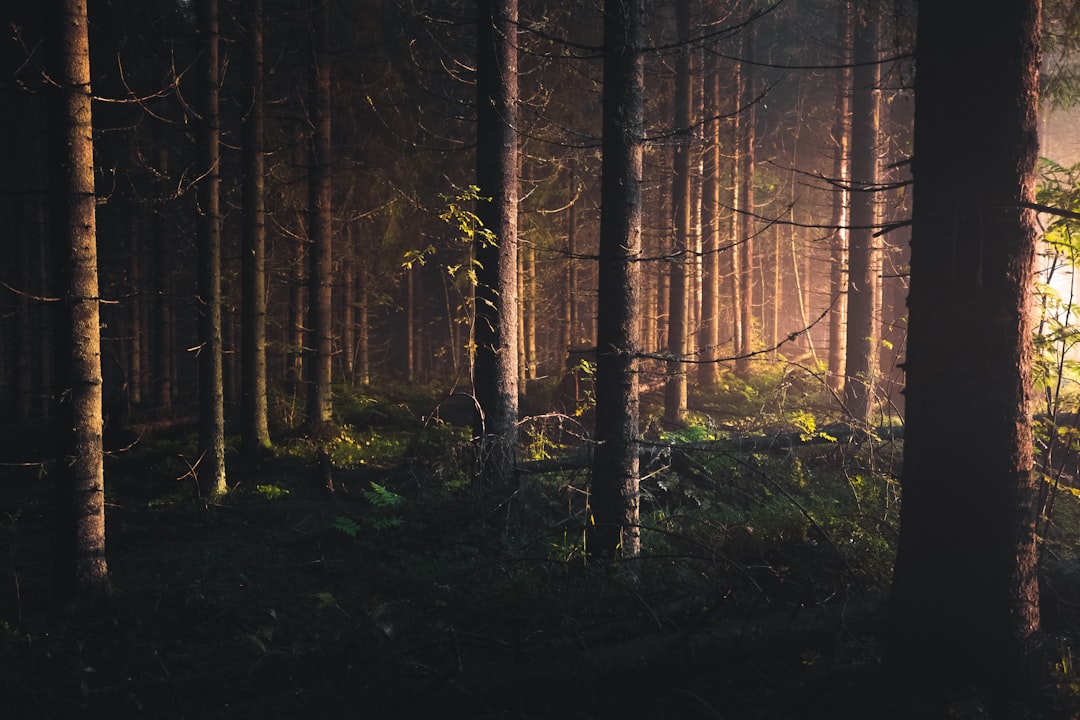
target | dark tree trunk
x=254, y=431
x=681, y=201
x=614, y=498
x=495, y=370
x=164, y=366
x=838, y=246
x=864, y=281
x=80, y=571
x=965, y=592
x=319, y=364
x=211, y=467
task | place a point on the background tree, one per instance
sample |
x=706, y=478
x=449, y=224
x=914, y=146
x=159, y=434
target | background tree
x=495, y=370
x=80, y=570
x=682, y=212
x=319, y=365
x=864, y=282
x=615, y=493
x=965, y=594
x=211, y=463
x=254, y=431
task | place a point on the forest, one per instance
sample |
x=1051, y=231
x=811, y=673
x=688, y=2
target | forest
x=515, y=359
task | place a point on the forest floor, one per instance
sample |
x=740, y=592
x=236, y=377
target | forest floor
x=405, y=591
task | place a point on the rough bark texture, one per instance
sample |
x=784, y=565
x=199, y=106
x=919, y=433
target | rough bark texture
x=211, y=465
x=495, y=372
x=965, y=593
x=80, y=571
x=681, y=201
x=319, y=364
x=864, y=281
x=255, y=433
x=614, y=497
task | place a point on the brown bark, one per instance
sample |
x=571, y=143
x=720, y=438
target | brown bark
x=211, y=464
x=319, y=365
x=864, y=251
x=965, y=593
x=615, y=496
x=495, y=372
x=682, y=210
x=80, y=570
x=254, y=431
x=745, y=208
x=838, y=272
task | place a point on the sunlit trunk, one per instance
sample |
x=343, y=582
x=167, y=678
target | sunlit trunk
x=80, y=571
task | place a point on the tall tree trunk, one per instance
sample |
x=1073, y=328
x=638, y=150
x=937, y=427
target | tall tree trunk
x=965, y=592
x=164, y=350
x=319, y=365
x=495, y=372
x=348, y=312
x=864, y=281
x=841, y=198
x=254, y=432
x=745, y=207
x=294, y=341
x=211, y=466
x=709, y=369
x=80, y=570
x=614, y=529
x=682, y=213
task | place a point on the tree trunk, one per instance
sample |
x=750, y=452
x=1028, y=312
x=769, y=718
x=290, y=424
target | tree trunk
x=745, y=208
x=864, y=281
x=348, y=312
x=319, y=364
x=164, y=346
x=682, y=210
x=709, y=369
x=495, y=372
x=841, y=198
x=211, y=464
x=614, y=529
x=965, y=592
x=80, y=571
x=254, y=432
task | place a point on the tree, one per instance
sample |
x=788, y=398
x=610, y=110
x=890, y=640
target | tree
x=80, y=570
x=211, y=466
x=744, y=338
x=614, y=498
x=681, y=200
x=864, y=282
x=841, y=138
x=495, y=370
x=320, y=259
x=965, y=593
x=254, y=431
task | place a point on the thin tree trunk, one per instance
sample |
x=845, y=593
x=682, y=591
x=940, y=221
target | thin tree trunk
x=320, y=359
x=682, y=212
x=745, y=208
x=615, y=491
x=255, y=433
x=164, y=351
x=80, y=570
x=841, y=198
x=864, y=282
x=709, y=370
x=211, y=462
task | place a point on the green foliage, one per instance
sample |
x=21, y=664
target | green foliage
x=271, y=492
